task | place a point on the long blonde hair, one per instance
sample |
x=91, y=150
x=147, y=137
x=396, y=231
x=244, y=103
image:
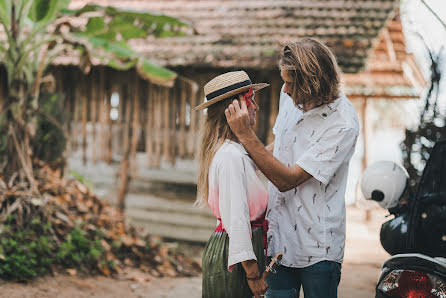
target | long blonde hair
x=213, y=133
x=315, y=72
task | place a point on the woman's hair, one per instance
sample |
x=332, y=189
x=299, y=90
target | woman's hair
x=315, y=72
x=213, y=133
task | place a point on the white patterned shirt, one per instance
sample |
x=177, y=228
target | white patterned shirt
x=237, y=197
x=307, y=223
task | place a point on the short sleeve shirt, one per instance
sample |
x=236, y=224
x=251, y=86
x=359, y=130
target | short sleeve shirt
x=307, y=224
x=237, y=197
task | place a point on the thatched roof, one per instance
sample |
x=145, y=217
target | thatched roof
x=250, y=33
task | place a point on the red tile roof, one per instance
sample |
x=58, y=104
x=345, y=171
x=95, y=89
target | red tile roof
x=250, y=33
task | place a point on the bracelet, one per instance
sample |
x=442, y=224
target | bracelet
x=254, y=278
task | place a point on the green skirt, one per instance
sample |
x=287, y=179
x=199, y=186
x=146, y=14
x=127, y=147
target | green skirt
x=218, y=282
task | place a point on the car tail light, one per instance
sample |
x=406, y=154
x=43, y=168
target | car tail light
x=412, y=284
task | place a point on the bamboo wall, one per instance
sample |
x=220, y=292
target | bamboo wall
x=159, y=121
x=156, y=120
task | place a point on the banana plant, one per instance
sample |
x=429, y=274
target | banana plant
x=38, y=31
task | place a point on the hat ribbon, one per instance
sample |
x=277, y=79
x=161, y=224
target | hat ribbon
x=228, y=89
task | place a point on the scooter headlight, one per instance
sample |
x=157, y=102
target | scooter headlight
x=390, y=282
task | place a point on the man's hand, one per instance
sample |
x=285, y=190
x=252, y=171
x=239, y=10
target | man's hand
x=238, y=118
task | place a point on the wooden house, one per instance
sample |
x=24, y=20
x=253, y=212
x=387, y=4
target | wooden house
x=366, y=37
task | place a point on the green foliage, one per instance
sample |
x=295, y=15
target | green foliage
x=24, y=254
x=79, y=250
x=32, y=252
x=110, y=35
x=81, y=178
x=46, y=10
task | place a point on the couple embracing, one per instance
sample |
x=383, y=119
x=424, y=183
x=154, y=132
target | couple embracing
x=302, y=213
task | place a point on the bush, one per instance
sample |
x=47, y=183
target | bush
x=29, y=253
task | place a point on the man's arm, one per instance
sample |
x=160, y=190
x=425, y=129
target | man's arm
x=270, y=147
x=282, y=177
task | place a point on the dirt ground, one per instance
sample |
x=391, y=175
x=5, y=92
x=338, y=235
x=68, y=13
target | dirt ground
x=363, y=259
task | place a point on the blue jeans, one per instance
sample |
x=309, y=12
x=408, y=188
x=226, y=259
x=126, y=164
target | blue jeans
x=318, y=280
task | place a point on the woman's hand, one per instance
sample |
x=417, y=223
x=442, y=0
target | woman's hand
x=258, y=287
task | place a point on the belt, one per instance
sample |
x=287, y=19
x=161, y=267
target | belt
x=261, y=222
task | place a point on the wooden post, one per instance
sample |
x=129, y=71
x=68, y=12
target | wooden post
x=158, y=136
x=274, y=108
x=109, y=135
x=93, y=114
x=127, y=101
x=200, y=114
x=83, y=94
x=121, y=118
x=200, y=101
x=173, y=98
x=182, y=119
x=102, y=111
x=125, y=164
x=136, y=129
x=149, y=125
x=368, y=214
x=192, y=135
x=76, y=106
x=165, y=105
x=107, y=121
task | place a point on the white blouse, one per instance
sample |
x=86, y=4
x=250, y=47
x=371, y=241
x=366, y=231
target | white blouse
x=237, y=196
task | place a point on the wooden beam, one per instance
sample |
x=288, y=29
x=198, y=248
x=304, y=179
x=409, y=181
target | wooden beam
x=83, y=94
x=381, y=96
x=389, y=45
x=192, y=134
x=182, y=119
x=364, y=132
x=136, y=127
x=165, y=113
x=109, y=124
x=76, y=108
x=127, y=101
x=173, y=137
x=124, y=173
x=102, y=116
x=149, y=124
x=157, y=132
x=93, y=113
x=121, y=117
x=368, y=215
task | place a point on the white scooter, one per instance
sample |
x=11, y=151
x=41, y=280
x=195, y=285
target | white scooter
x=416, y=236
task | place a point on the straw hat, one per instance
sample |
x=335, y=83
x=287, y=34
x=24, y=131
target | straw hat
x=227, y=85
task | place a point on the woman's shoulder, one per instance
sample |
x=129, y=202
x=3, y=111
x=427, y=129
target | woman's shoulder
x=230, y=151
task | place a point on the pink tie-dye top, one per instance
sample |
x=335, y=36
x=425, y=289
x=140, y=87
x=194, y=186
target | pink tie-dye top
x=237, y=196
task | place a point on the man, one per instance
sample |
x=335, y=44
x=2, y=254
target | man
x=307, y=166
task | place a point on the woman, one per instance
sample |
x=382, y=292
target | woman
x=234, y=259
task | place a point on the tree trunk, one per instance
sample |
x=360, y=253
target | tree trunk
x=19, y=163
x=125, y=163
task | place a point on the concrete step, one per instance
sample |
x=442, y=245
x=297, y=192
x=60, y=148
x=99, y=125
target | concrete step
x=172, y=218
x=154, y=203
x=194, y=234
